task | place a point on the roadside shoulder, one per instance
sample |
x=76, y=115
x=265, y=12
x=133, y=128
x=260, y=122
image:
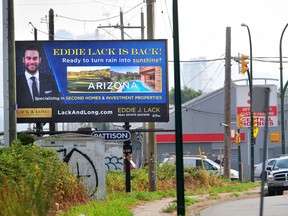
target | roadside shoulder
x=196, y=208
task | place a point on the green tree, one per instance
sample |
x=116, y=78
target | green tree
x=186, y=94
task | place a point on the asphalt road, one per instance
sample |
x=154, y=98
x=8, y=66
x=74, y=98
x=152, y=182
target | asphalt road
x=273, y=206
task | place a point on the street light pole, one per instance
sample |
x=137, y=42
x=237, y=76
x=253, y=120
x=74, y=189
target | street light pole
x=250, y=78
x=282, y=95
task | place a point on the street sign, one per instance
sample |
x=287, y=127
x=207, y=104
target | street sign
x=255, y=132
x=113, y=135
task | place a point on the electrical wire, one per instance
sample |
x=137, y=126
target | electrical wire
x=203, y=112
x=98, y=20
x=205, y=69
x=211, y=78
x=168, y=16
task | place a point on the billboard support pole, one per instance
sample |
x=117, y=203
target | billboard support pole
x=127, y=150
x=10, y=131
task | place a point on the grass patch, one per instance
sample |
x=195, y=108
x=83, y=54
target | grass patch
x=234, y=195
x=172, y=207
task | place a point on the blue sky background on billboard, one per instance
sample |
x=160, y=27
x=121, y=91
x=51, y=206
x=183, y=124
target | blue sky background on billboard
x=202, y=30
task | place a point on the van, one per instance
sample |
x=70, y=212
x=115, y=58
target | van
x=209, y=165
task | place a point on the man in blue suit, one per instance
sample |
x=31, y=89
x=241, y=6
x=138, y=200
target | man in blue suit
x=33, y=87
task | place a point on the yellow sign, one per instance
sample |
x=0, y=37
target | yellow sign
x=34, y=113
x=275, y=137
x=255, y=131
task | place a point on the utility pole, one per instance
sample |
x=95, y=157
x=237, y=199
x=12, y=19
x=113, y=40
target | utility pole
x=10, y=121
x=152, y=147
x=35, y=34
x=51, y=25
x=51, y=38
x=227, y=105
x=34, y=30
x=127, y=148
x=39, y=126
x=122, y=26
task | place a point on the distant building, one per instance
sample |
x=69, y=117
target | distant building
x=194, y=74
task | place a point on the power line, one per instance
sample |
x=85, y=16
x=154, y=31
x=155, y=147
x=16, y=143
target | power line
x=211, y=78
x=168, y=16
x=234, y=58
x=202, y=71
x=98, y=20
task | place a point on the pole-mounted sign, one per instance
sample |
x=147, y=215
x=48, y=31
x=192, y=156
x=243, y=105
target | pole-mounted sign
x=113, y=135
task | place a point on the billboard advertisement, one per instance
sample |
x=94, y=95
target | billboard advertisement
x=92, y=81
x=243, y=106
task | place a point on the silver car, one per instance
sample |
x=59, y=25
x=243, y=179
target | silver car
x=278, y=176
x=258, y=168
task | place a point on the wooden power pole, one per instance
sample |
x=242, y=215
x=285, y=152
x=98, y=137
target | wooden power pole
x=152, y=147
x=52, y=125
x=227, y=105
x=10, y=121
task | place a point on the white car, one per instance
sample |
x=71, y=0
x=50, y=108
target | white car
x=209, y=165
x=258, y=168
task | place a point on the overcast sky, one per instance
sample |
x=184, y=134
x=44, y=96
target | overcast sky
x=202, y=28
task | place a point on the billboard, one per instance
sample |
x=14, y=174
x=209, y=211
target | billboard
x=243, y=106
x=92, y=81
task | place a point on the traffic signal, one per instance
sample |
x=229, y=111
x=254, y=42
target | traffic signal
x=244, y=63
x=240, y=121
x=255, y=126
x=238, y=139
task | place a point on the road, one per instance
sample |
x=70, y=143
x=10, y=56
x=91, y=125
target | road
x=273, y=206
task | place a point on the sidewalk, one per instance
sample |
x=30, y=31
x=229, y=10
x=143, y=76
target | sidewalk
x=153, y=208
x=156, y=207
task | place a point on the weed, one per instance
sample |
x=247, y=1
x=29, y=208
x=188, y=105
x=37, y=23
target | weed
x=234, y=195
x=171, y=207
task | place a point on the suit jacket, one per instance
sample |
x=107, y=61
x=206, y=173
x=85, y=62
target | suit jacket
x=48, y=87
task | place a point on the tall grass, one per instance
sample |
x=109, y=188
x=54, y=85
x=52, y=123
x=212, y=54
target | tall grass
x=118, y=202
x=34, y=182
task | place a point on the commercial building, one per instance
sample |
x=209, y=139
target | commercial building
x=202, y=124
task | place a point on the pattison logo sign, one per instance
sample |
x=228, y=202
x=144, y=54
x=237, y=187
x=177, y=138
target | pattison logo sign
x=113, y=135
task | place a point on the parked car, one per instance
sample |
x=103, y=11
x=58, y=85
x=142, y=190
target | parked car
x=258, y=168
x=209, y=165
x=278, y=176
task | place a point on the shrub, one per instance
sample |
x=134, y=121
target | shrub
x=194, y=178
x=25, y=139
x=33, y=180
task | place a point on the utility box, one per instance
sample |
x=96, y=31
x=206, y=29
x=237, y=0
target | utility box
x=85, y=155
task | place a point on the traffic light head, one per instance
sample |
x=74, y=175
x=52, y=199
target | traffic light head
x=255, y=126
x=244, y=64
x=240, y=121
x=238, y=139
x=255, y=122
